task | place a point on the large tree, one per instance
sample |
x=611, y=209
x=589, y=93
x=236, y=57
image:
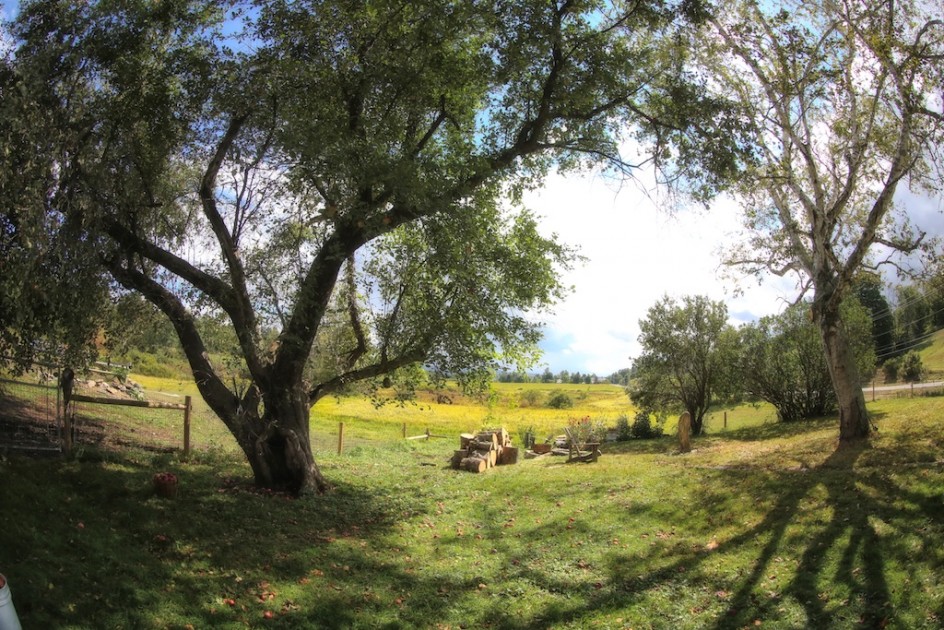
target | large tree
x=688, y=359
x=335, y=177
x=841, y=99
x=49, y=288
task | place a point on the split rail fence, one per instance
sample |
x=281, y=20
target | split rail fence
x=35, y=415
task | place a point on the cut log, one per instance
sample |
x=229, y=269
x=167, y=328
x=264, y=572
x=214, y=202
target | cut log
x=481, y=445
x=487, y=436
x=509, y=455
x=491, y=447
x=473, y=464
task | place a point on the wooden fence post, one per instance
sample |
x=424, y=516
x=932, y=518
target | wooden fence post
x=66, y=383
x=187, y=407
x=427, y=434
x=873, y=390
x=340, y=437
x=725, y=419
x=404, y=430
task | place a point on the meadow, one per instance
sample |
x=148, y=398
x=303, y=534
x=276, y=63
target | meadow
x=762, y=525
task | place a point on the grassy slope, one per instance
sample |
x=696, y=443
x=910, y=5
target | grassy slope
x=932, y=355
x=764, y=523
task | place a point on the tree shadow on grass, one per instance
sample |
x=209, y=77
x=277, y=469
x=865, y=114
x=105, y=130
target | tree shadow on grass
x=828, y=518
x=139, y=561
x=88, y=544
x=775, y=430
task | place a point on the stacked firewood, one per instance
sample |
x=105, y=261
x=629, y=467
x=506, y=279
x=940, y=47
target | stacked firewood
x=480, y=451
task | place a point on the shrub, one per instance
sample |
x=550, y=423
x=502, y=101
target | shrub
x=912, y=367
x=560, y=400
x=890, y=369
x=584, y=431
x=530, y=398
x=623, y=430
x=642, y=427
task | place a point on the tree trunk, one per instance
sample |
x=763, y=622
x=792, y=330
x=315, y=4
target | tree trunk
x=280, y=455
x=853, y=417
x=697, y=421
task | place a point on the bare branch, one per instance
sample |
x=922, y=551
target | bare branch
x=353, y=311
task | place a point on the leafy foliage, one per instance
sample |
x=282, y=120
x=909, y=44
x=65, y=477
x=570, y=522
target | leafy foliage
x=642, y=426
x=782, y=360
x=912, y=368
x=560, y=400
x=688, y=357
x=338, y=180
x=868, y=289
x=585, y=430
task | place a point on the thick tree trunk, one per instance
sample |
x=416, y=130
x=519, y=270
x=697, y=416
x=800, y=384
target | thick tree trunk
x=280, y=455
x=853, y=417
x=698, y=420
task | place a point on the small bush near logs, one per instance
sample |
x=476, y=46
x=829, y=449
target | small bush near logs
x=480, y=451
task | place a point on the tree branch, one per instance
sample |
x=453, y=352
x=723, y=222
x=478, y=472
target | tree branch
x=355, y=354
x=219, y=291
x=241, y=312
x=384, y=367
x=224, y=403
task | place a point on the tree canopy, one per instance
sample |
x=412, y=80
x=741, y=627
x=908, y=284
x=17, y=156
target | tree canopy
x=841, y=104
x=339, y=178
x=688, y=359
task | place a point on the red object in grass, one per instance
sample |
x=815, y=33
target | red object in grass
x=165, y=484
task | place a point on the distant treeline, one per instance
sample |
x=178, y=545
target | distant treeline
x=620, y=377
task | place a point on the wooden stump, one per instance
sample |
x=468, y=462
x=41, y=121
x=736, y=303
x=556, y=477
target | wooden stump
x=509, y=455
x=487, y=436
x=483, y=450
x=685, y=432
x=465, y=438
x=473, y=464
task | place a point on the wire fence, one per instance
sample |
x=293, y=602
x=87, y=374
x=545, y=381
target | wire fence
x=30, y=417
x=110, y=412
x=903, y=390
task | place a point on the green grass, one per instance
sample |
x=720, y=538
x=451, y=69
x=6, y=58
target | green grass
x=761, y=523
x=932, y=355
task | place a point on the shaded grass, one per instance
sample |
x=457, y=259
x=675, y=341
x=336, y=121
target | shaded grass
x=767, y=524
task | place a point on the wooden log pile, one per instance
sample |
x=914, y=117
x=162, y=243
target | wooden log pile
x=483, y=450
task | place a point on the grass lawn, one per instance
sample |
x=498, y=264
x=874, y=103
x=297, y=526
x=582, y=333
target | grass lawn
x=761, y=525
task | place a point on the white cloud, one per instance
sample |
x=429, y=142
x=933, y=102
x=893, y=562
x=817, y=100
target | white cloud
x=636, y=254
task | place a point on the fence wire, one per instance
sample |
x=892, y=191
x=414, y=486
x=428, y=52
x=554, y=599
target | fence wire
x=29, y=413
x=32, y=419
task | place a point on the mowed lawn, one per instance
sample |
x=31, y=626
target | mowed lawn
x=762, y=525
